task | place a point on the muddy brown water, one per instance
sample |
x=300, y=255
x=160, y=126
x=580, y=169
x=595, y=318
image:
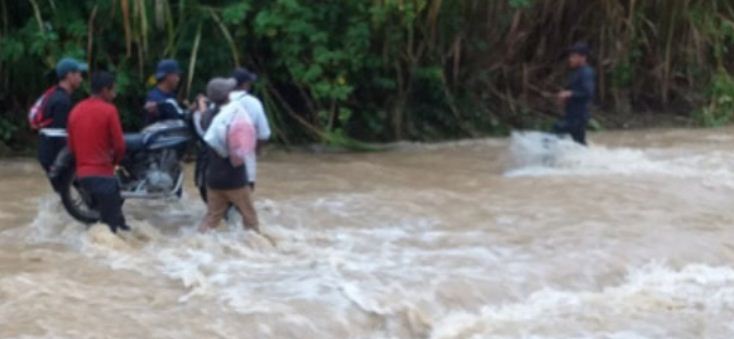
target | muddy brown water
x=505, y=238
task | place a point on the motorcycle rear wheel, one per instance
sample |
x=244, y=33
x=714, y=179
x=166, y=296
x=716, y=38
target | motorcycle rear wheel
x=76, y=201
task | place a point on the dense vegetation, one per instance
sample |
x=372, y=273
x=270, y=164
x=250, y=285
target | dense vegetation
x=379, y=70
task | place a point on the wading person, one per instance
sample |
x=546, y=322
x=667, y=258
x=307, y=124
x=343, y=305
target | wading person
x=168, y=77
x=51, y=112
x=577, y=96
x=253, y=106
x=98, y=145
x=226, y=174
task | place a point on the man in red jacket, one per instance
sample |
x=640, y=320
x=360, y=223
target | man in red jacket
x=98, y=145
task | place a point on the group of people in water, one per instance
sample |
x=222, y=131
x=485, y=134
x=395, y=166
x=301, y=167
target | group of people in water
x=96, y=140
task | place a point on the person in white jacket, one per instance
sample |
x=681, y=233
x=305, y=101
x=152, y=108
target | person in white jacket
x=254, y=107
x=230, y=138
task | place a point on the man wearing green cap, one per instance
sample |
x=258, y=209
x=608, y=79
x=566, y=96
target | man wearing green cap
x=69, y=72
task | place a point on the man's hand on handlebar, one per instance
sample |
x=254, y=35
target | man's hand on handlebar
x=201, y=103
x=151, y=107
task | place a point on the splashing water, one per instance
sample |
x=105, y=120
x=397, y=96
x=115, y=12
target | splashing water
x=541, y=154
x=626, y=240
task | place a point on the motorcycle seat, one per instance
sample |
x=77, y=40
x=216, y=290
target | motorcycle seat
x=135, y=142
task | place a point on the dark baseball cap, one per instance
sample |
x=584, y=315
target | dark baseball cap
x=69, y=65
x=243, y=76
x=166, y=67
x=581, y=48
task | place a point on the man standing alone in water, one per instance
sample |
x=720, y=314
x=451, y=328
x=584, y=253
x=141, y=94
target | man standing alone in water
x=577, y=96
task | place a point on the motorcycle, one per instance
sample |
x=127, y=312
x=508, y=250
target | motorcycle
x=151, y=169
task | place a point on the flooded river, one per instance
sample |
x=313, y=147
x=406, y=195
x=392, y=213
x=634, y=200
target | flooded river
x=495, y=238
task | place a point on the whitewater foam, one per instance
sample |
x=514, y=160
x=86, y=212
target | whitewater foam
x=391, y=273
x=700, y=291
x=536, y=154
x=440, y=259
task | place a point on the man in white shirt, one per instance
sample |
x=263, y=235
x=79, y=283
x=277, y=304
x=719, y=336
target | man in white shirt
x=254, y=107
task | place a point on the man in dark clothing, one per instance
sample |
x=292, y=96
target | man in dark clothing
x=98, y=145
x=69, y=73
x=577, y=96
x=226, y=184
x=168, y=77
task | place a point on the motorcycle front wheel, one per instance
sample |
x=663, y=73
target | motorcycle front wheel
x=77, y=202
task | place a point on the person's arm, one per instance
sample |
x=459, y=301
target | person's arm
x=61, y=111
x=58, y=110
x=262, y=125
x=199, y=109
x=151, y=105
x=118, y=139
x=70, y=138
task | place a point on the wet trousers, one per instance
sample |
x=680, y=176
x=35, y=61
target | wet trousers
x=219, y=201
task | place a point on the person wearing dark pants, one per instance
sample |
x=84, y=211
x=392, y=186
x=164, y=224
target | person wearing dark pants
x=98, y=145
x=105, y=194
x=56, y=113
x=577, y=96
x=575, y=127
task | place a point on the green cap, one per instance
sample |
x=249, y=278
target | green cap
x=68, y=65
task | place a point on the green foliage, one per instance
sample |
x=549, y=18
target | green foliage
x=721, y=102
x=236, y=13
x=317, y=49
x=623, y=74
x=7, y=129
x=340, y=70
x=521, y=3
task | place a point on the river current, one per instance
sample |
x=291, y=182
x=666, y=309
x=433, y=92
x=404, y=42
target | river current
x=520, y=237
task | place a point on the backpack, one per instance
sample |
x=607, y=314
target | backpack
x=37, y=118
x=231, y=134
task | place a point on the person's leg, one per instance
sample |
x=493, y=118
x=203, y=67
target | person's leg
x=581, y=135
x=578, y=132
x=114, y=214
x=217, y=204
x=108, y=201
x=49, y=150
x=89, y=187
x=242, y=200
x=44, y=153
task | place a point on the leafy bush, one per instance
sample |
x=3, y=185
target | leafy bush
x=721, y=102
x=337, y=70
x=8, y=129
